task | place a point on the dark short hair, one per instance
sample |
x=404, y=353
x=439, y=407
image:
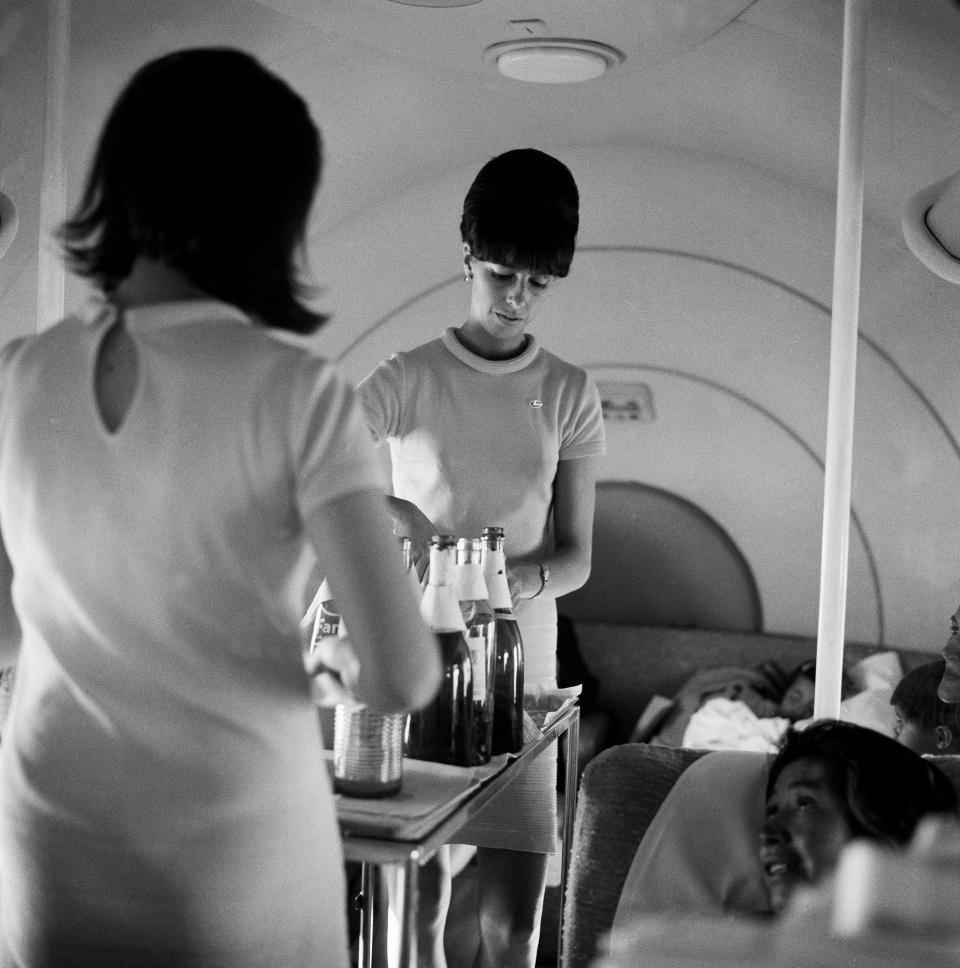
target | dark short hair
x=916, y=696
x=887, y=788
x=208, y=163
x=522, y=210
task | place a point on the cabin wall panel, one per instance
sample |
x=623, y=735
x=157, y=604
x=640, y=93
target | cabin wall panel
x=712, y=279
x=23, y=59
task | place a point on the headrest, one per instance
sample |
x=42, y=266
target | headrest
x=700, y=853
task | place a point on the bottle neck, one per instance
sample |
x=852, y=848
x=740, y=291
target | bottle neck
x=497, y=585
x=439, y=606
x=469, y=582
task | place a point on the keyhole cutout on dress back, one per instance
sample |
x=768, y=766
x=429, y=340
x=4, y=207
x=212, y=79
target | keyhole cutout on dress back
x=115, y=379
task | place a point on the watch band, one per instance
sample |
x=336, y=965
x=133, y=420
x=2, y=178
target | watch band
x=544, y=578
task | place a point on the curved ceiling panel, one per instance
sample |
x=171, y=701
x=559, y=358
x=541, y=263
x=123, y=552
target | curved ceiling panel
x=738, y=367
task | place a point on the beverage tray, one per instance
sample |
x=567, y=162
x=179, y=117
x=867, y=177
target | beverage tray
x=431, y=791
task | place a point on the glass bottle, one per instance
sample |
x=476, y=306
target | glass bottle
x=442, y=731
x=481, y=631
x=508, y=668
x=326, y=624
x=406, y=550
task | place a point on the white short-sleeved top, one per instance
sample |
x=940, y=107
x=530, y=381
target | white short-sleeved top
x=476, y=442
x=159, y=580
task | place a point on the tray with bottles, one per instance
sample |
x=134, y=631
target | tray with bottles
x=432, y=791
x=429, y=793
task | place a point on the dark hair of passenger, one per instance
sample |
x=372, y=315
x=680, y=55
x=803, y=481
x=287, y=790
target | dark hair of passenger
x=915, y=695
x=522, y=211
x=886, y=787
x=207, y=163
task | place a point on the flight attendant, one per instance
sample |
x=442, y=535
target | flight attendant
x=169, y=468
x=486, y=427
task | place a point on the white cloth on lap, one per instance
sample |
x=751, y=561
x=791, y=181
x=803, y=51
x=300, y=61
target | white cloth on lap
x=730, y=724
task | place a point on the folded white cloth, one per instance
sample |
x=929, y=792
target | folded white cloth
x=730, y=724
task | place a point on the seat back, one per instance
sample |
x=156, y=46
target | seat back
x=620, y=792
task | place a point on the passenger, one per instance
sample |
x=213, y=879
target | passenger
x=831, y=783
x=925, y=723
x=949, y=690
x=796, y=703
x=485, y=427
x=168, y=470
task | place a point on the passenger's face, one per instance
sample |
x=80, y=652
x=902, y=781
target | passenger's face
x=949, y=690
x=797, y=701
x=503, y=301
x=913, y=737
x=805, y=829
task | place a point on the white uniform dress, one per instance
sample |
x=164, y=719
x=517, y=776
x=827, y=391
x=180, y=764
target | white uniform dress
x=164, y=795
x=476, y=442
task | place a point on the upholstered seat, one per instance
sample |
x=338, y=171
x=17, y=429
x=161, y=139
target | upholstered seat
x=621, y=791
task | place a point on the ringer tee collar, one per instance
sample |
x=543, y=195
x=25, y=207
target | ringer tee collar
x=449, y=339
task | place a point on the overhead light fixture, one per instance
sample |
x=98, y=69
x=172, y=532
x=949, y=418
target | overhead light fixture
x=545, y=60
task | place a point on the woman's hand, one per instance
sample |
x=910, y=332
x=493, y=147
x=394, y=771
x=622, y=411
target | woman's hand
x=407, y=519
x=333, y=668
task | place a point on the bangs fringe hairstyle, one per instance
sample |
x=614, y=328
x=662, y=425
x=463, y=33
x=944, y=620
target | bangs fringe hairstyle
x=916, y=695
x=887, y=788
x=209, y=164
x=522, y=211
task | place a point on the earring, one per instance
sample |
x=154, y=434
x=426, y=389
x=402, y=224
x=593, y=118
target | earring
x=467, y=275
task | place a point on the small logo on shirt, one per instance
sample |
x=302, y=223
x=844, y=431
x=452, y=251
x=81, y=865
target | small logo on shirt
x=535, y=403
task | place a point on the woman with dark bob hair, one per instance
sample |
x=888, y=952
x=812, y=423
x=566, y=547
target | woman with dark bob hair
x=831, y=783
x=188, y=172
x=170, y=474
x=486, y=427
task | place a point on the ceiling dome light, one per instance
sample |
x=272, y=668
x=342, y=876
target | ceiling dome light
x=546, y=61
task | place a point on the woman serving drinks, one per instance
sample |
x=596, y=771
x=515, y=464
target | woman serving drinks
x=169, y=469
x=487, y=428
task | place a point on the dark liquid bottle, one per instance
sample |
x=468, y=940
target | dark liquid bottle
x=443, y=730
x=481, y=640
x=508, y=667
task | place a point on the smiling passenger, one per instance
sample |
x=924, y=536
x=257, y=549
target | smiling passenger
x=949, y=690
x=832, y=783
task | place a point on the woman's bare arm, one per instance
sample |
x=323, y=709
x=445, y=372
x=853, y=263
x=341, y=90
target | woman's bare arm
x=574, y=498
x=360, y=557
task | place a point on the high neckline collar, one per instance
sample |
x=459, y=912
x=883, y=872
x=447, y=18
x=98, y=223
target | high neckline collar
x=481, y=363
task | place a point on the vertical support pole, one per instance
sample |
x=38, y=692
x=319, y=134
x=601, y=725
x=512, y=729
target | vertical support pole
x=843, y=365
x=51, y=274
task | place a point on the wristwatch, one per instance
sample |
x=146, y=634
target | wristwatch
x=544, y=577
